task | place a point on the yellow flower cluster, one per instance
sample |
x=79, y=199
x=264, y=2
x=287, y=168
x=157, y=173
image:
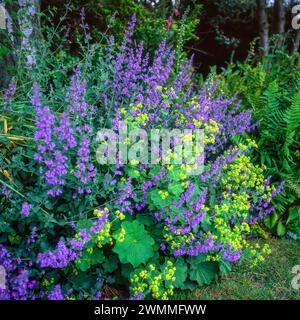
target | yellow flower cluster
x=175, y=239
x=184, y=184
x=182, y=119
x=258, y=254
x=227, y=235
x=185, y=153
x=238, y=177
x=154, y=282
x=141, y=119
x=172, y=90
x=99, y=213
x=213, y=257
x=243, y=173
x=260, y=231
x=133, y=163
x=90, y=250
x=121, y=235
x=238, y=204
x=103, y=236
x=47, y=283
x=120, y=215
x=163, y=194
x=198, y=122
x=210, y=129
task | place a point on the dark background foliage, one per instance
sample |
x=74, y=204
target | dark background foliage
x=225, y=31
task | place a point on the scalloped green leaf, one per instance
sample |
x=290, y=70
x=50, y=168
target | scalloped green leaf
x=204, y=273
x=137, y=247
x=180, y=273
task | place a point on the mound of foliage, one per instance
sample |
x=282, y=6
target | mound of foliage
x=271, y=89
x=72, y=228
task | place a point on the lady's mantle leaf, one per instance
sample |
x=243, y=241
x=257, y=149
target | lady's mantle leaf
x=137, y=246
x=180, y=273
x=204, y=272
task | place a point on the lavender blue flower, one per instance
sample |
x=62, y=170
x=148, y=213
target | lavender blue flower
x=25, y=211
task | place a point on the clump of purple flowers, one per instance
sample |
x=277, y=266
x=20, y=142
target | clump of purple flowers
x=8, y=95
x=64, y=254
x=58, y=136
x=56, y=293
x=18, y=285
x=25, y=211
x=60, y=258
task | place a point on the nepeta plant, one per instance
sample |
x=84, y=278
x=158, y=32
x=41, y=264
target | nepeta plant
x=64, y=145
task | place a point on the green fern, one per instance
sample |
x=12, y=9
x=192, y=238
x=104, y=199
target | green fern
x=272, y=90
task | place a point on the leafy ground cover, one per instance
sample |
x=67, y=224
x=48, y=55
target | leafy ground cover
x=270, y=280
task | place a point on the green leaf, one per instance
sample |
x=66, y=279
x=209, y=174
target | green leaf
x=97, y=257
x=194, y=261
x=62, y=208
x=126, y=270
x=175, y=173
x=190, y=285
x=88, y=259
x=145, y=219
x=270, y=220
x=84, y=224
x=180, y=273
x=294, y=214
x=281, y=229
x=110, y=264
x=204, y=273
x=225, y=267
x=158, y=201
x=133, y=173
x=154, y=171
x=83, y=265
x=137, y=246
x=196, y=192
x=175, y=188
x=206, y=221
x=82, y=280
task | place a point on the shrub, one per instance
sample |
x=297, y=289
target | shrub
x=74, y=229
